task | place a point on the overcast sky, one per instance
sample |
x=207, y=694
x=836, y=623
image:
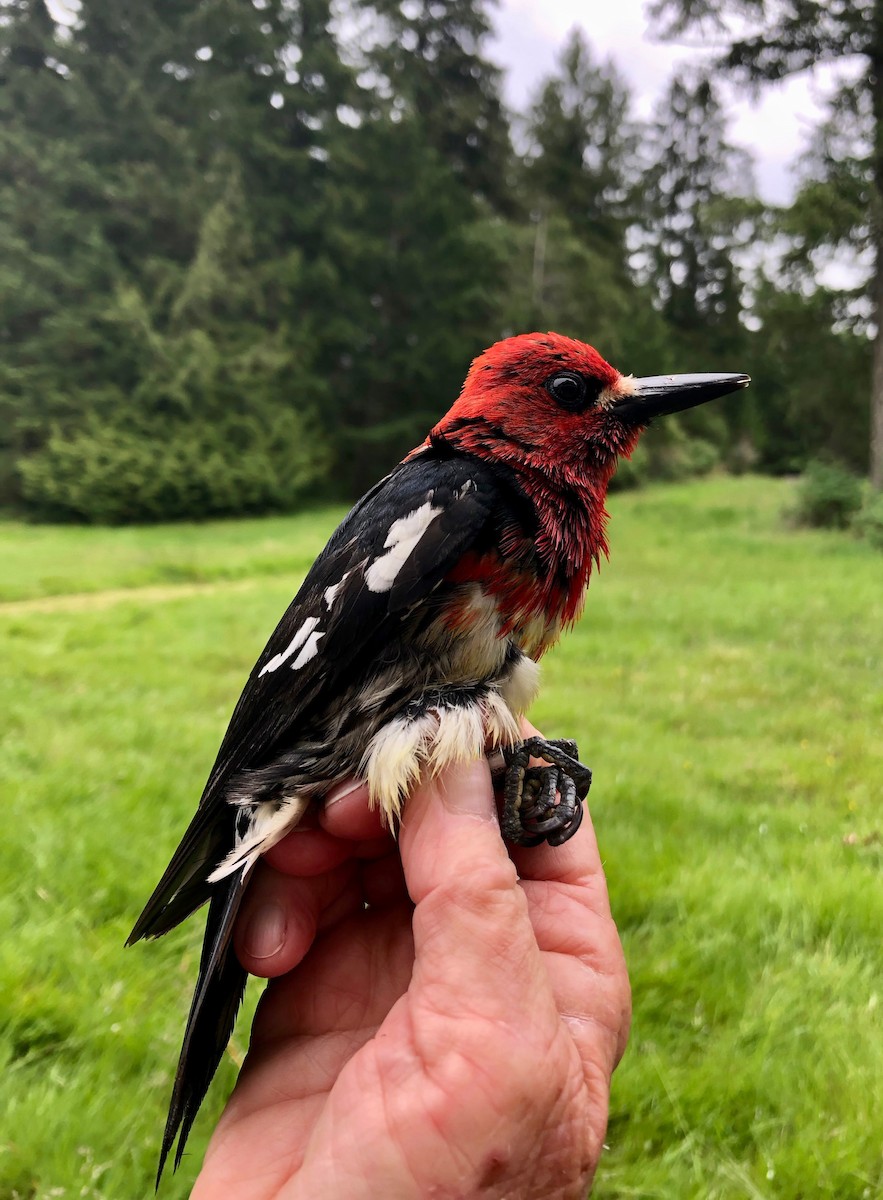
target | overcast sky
x=530, y=33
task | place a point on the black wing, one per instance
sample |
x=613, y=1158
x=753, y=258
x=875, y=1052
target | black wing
x=390, y=552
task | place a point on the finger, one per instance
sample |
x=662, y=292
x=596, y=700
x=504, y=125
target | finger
x=576, y=864
x=280, y=915
x=586, y=967
x=570, y=912
x=309, y=852
x=346, y=814
x=476, y=951
x=346, y=903
x=350, y=980
x=323, y=838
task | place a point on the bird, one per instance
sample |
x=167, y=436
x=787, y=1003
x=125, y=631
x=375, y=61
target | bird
x=414, y=641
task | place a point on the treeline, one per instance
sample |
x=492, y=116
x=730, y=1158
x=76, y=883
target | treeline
x=247, y=250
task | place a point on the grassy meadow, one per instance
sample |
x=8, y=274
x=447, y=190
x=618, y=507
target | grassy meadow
x=726, y=685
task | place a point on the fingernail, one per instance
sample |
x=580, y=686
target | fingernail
x=341, y=790
x=265, y=932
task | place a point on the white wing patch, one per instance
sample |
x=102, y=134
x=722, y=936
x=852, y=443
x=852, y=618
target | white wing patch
x=330, y=593
x=310, y=650
x=403, y=536
x=302, y=635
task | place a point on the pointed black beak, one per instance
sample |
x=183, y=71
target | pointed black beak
x=657, y=395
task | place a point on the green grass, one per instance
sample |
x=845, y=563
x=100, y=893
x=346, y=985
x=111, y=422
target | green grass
x=726, y=685
x=47, y=560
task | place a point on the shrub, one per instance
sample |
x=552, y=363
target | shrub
x=828, y=496
x=110, y=476
x=869, y=520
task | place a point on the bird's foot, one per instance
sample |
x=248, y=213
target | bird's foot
x=543, y=804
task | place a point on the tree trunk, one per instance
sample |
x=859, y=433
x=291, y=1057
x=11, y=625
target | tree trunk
x=876, y=458
x=876, y=464
x=538, y=278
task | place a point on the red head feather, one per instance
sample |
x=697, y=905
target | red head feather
x=507, y=411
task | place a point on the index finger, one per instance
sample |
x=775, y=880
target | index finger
x=346, y=813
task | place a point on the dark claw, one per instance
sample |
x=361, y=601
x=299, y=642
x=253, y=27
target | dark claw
x=565, y=834
x=574, y=803
x=567, y=745
x=531, y=814
x=544, y=783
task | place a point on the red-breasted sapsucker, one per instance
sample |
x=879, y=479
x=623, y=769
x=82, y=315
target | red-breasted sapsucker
x=414, y=639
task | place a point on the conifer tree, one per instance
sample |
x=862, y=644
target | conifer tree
x=176, y=322
x=583, y=156
x=431, y=53
x=769, y=41
x=690, y=227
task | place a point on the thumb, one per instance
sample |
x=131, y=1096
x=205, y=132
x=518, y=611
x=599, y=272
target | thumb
x=472, y=932
x=450, y=830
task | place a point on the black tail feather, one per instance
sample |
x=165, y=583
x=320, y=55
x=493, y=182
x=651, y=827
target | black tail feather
x=216, y=1001
x=183, y=887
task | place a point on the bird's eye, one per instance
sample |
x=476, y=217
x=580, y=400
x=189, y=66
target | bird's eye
x=569, y=390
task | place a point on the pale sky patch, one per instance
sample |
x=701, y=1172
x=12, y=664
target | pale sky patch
x=65, y=12
x=775, y=127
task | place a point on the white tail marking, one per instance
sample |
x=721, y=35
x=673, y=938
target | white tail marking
x=267, y=826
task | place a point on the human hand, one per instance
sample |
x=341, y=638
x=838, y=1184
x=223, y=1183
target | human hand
x=455, y=1038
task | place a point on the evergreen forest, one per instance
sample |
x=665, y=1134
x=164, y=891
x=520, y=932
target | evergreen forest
x=248, y=247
